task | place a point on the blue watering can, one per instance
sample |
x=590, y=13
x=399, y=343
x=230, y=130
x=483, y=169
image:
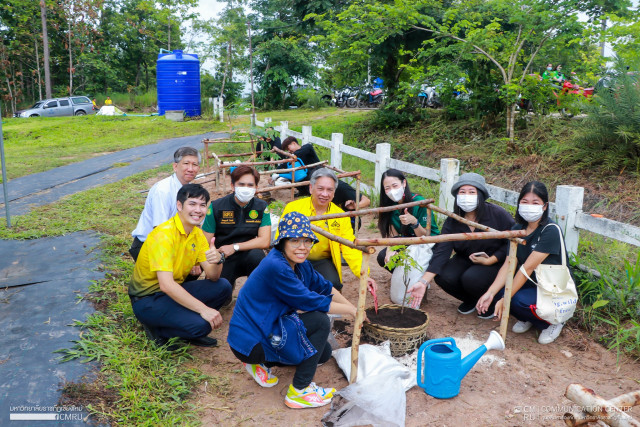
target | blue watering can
x=444, y=367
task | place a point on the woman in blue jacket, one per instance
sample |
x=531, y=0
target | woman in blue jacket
x=280, y=317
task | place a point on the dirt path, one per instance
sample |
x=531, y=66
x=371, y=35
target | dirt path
x=527, y=389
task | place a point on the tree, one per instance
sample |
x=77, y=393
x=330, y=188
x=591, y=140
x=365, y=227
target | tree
x=45, y=44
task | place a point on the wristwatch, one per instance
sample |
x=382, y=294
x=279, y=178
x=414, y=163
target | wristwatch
x=236, y=247
x=416, y=225
x=421, y=280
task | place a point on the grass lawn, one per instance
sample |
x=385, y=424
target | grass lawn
x=42, y=143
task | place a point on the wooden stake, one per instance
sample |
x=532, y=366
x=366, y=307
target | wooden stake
x=511, y=234
x=224, y=180
x=302, y=183
x=206, y=153
x=369, y=211
x=357, y=327
x=341, y=240
x=357, y=222
x=428, y=221
x=506, y=306
x=312, y=165
x=270, y=162
x=293, y=180
x=597, y=406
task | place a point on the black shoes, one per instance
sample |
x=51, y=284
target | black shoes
x=466, y=308
x=204, y=342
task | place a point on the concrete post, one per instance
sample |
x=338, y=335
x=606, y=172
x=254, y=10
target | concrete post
x=306, y=135
x=449, y=171
x=568, y=204
x=383, y=154
x=214, y=102
x=284, y=127
x=336, y=150
x=221, y=109
x=267, y=122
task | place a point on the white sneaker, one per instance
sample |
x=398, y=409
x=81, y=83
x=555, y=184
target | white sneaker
x=550, y=334
x=521, y=327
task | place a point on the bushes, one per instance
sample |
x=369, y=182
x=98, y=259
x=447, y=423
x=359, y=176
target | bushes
x=610, y=134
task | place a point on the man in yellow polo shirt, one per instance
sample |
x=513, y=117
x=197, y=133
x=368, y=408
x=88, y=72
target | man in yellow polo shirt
x=325, y=256
x=166, y=306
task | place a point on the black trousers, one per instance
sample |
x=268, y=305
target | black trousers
x=465, y=280
x=318, y=328
x=380, y=258
x=326, y=268
x=241, y=264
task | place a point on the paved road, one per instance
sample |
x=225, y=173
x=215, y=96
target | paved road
x=47, y=187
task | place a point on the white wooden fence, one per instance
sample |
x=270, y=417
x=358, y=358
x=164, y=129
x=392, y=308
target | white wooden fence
x=566, y=211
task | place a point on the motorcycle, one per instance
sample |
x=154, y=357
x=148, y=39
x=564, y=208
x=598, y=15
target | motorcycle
x=428, y=97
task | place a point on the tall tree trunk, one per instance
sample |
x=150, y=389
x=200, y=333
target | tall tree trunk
x=169, y=33
x=253, y=104
x=603, y=30
x=45, y=43
x=70, y=61
x=11, y=98
x=226, y=69
x=146, y=74
x=35, y=42
x=511, y=120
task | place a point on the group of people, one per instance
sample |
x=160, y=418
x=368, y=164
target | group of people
x=280, y=316
x=555, y=75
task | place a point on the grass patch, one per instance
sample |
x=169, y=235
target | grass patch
x=42, y=143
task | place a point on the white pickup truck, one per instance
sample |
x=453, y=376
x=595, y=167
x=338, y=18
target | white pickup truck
x=56, y=107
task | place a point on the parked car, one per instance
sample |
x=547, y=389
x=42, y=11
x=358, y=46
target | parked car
x=56, y=107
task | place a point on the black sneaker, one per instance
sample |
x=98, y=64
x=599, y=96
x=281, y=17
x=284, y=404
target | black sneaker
x=466, y=308
x=153, y=336
x=204, y=342
x=487, y=314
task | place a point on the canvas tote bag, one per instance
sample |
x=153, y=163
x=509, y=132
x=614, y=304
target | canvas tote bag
x=557, y=295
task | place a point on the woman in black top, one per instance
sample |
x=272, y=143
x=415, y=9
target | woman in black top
x=543, y=246
x=469, y=273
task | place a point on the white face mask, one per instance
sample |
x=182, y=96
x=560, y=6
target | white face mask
x=530, y=213
x=244, y=194
x=467, y=202
x=396, y=194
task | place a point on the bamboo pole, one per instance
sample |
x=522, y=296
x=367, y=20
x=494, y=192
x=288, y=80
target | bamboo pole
x=224, y=180
x=357, y=222
x=333, y=168
x=506, y=302
x=293, y=180
x=428, y=221
x=342, y=240
x=303, y=183
x=370, y=211
x=270, y=162
x=206, y=153
x=599, y=407
x=240, y=154
x=225, y=141
x=357, y=327
x=441, y=238
x=462, y=219
x=580, y=418
x=312, y=165
x=284, y=153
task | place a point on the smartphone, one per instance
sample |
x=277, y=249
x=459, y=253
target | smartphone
x=481, y=254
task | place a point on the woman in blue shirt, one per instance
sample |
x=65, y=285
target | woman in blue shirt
x=543, y=246
x=280, y=317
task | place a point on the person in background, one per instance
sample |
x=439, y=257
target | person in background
x=548, y=73
x=241, y=225
x=108, y=101
x=543, y=246
x=269, y=141
x=557, y=76
x=326, y=255
x=395, y=190
x=161, y=201
x=475, y=264
x=163, y=300
x=281, y=316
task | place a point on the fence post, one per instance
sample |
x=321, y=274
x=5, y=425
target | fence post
x=306, y=135
x=569, y=200
x=449, y=171
x=221, y=109
x=336, y=150
x=383, y=154
x=284, y=127
x=267, y=122
x=214, y=102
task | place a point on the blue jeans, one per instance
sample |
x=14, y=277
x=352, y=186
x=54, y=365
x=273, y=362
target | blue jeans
x=169, y=319
x=521, y=303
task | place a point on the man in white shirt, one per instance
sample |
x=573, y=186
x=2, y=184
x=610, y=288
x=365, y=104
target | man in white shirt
x=160, y=205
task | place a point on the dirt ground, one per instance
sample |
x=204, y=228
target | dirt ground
x=528, y=389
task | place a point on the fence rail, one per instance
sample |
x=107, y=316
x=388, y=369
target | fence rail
x=567, y=210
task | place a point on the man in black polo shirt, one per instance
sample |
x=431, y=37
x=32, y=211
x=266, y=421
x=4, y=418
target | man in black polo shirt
x=240, y=224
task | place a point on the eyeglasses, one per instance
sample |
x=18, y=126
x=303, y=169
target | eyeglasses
x=296, y=243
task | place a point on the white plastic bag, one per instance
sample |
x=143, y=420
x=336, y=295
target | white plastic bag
x=378, y=397
x=422, y=255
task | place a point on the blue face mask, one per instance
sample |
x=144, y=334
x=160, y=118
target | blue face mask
x=549, y=68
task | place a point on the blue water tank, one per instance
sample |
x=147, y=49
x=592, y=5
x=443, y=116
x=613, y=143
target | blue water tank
x=178, y=76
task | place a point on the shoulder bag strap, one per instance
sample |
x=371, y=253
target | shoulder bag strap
x=562, y=249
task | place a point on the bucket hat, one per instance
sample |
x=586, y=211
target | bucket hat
x=473, y=179
x=293, y=226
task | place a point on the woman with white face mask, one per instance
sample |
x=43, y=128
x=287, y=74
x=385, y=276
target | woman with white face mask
x=543, y=246
x=410, y=222
x=475, y=263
